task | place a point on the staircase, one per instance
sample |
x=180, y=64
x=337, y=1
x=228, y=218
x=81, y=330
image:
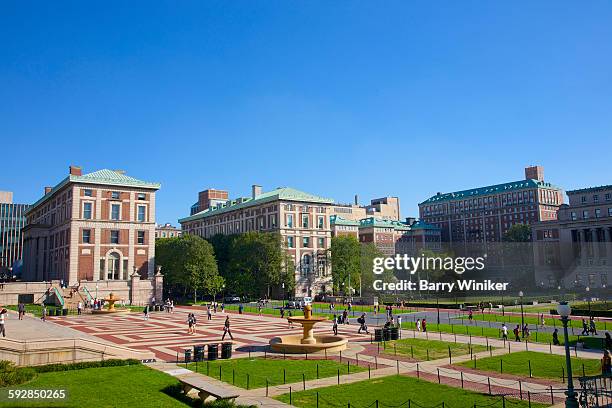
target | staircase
x=72, y=296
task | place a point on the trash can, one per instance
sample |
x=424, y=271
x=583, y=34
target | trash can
x=213, y=351
x=64, y=312
x=394, y=333
x=198, y=353
x=187, y=355
x=378, y=335
x=58, y=312
x=386, y=334
x=226, y=350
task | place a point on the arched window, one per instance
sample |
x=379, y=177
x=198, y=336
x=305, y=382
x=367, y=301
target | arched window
x=113, y=263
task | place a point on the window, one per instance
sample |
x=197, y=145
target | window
x=608, y=196
x=321, y=243
x=583, y=199
x=141, y=213
x=597, y=213
x=289, y=220
x=574, y=216
x=87, y=211
x=320, y=222
x=610, y=212
x=141, y=196
x=304, y=220
x=595, y=198
x=585, y=214
x=141, y=237
x=86, y=236
x=115, y=208
x=115, y=195
x=290, y=242
x=87, y=192
x=305, y=242
x=114, y=238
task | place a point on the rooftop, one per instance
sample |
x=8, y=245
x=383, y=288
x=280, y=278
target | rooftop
x=279, y=194
x=488, y=190
x=590, y=190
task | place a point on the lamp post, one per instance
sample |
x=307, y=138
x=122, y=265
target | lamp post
x=521, y=294
x=588, y=289
x=503, y=307
x=564, y=311
x=438, y=307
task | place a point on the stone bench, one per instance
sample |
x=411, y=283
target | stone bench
x=206, y=391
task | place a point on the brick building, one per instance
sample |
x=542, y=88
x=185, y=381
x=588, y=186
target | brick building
x=167, y=230
x=575, y=250
x=90, y=227
x=386, y=208
x=302, y=219
x=485, y=214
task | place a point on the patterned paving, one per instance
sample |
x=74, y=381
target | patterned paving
x=166, y=334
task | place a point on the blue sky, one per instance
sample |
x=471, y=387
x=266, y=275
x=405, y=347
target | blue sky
x=401, y=98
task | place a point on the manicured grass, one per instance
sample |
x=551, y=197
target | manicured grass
x=391, y=392
x=422, y=349
x=542, y=365
x=493, y=332
x=530, y=320
x=36, y=310
x=276, y=371
x=127, y=386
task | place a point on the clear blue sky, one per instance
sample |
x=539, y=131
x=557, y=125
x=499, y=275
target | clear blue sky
x=398, y=98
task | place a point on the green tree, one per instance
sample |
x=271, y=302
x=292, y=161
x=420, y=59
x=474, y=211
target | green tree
x=367, y=253
x=344, y=256
x=518, y=233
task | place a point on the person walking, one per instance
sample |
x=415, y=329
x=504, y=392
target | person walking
x=424, y=324
x=226, y=329
x=608, y=341
x=290, y=322
x=146, y=312
x=21, y=310
x=362, y=324
x=345, y=318
x=335, y=325
x=556, y=337
x=399, y=321
x=43, y=313
x=190, y=323
x=470, y=315
x=208, y=313
x=3, y=314
x=504, y=332
x=79, y=307
x=585, y=328
x=593, y=328
x=606, y=364
x=517, y=333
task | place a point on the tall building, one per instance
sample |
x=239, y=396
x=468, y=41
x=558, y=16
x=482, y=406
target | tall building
x=167, y=231
x=484, y=214
x=385, y=208
x=91, y=227
x=575, y=250
x=12, y=220
x=302, y=219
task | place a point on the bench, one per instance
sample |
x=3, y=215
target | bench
x=206, y=391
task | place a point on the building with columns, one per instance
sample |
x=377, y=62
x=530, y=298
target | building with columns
x=485, y=214
x=98, y=226
x=575, y=251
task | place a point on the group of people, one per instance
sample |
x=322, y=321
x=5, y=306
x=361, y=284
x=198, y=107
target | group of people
x=589, y=328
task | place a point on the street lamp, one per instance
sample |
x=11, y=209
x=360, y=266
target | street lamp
x=588, y=298
x=564, y=311
x=521, y=294
x=438, y=307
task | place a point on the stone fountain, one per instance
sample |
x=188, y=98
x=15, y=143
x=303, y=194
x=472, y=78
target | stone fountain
x=307, y=342
x=111, y=300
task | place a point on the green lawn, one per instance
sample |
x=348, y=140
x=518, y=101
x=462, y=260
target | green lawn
x=126, y=386
x=422, y=349
x=531, y=320
x=276, y=371
x=494, y=332
x=391, y=392
x=542, y=365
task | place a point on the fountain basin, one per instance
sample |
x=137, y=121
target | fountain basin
x=292, y=344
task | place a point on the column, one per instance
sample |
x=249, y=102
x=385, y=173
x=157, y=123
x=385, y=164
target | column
x=583, y=247
x=595, y=243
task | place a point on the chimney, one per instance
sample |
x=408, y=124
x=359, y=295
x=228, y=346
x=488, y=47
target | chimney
x=356, y=199
x=255, y=191
x=75, y=171
x=48, y=190
x=410, y=220
x=534, y=173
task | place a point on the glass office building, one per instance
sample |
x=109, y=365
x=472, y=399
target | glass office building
x=12, y=220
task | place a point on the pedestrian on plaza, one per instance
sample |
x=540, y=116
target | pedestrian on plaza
x=21, y=309
x=362, y=324
x=470, y=315
x=399, y=321
x=585, y=328
x=240, y=308
x=282, y=312
x=208, y=313
x=226, y=329
x=517, y=333
x=289, y=320
x=542, y=320
x=526, y=332
x=524, y=329
x=418, y=325
x=215, y=308
x=172, y=306
x=608, y=341
x=424, y=324
x=335, y=325
x=190, y=318
x=606, y=363
x=222, y=307
x=146, y=312
x=556, y=338
x=79, y=307
x=3, y=314
x=593, y=327
x=43, y=313
x=504, y=332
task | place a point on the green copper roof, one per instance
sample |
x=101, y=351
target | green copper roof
x=590, y=190
x=103, y=177
x=483, y=191
x=337, y=220
x=418, y=225
x=279, y=194
x=398, y=225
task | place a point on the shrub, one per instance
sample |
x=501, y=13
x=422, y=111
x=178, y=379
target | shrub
x=11, y=375
x=86, y=364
